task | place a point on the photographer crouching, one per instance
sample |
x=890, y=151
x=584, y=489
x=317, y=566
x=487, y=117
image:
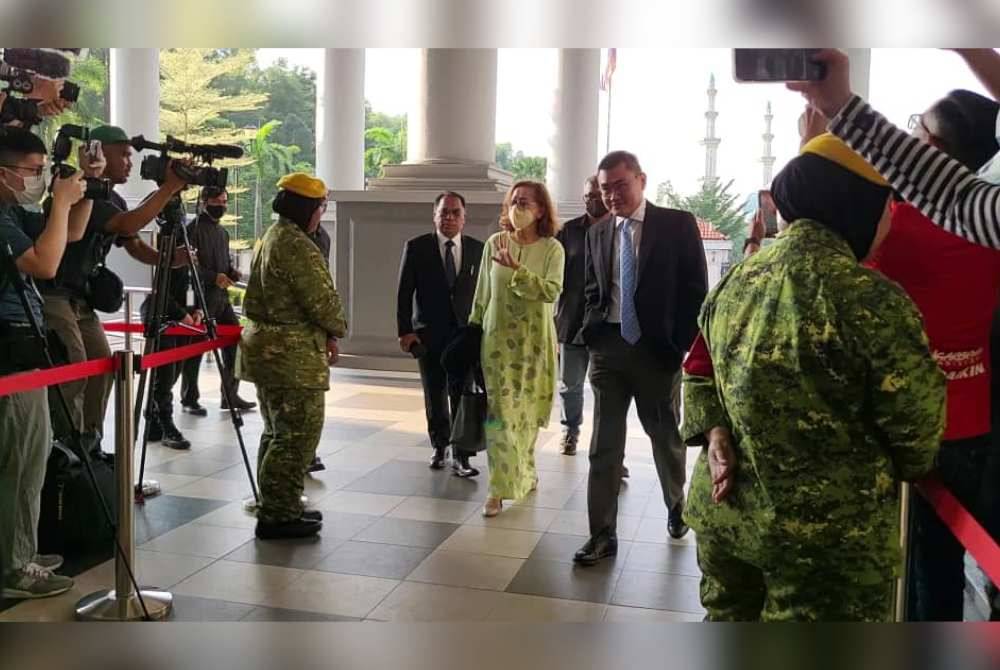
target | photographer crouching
x=83, y=284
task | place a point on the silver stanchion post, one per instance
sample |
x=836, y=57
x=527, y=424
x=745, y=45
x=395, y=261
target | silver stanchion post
x=128, y=319
x=122, y=602
x=899, y=606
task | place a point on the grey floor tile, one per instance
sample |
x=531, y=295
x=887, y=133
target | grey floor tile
x=373, y=560
x=658, y=591
x=564, y=580
x=389, y=484
x=471, y=489
x=280, y=614
x=164, y=513
x=664, y=558
x=192, y=608
x=352, y=431
x=408, y=533
x=302, y=554
x=189, y=465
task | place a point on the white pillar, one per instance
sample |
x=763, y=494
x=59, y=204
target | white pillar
x=575, y=116
x=135, y=105
x=861, y=71
x=451, y=127
x=340, y=119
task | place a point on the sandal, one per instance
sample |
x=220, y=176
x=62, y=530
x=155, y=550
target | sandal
x=492, y=507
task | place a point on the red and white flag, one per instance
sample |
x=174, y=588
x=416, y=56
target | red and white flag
x=609, y=69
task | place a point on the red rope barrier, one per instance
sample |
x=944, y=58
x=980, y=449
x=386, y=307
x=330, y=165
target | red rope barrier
x=36, y=379
x=963, y=526
x=169, y=356
x=222, y=330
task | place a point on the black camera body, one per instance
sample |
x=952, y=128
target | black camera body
x=97, y=189
x=20, y=109
x=154, y=168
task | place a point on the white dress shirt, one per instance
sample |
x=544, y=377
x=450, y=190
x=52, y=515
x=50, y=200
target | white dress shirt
x=456, y=250
x=638, y=216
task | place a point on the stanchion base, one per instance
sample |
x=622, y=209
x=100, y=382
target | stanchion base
x=105, y=606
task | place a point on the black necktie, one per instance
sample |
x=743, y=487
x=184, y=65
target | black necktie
x=449, y=263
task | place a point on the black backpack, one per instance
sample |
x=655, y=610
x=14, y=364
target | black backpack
x=71, y=522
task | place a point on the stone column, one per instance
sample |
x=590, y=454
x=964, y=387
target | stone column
x=451, y=134
x=340, y=119
x=135, y=106
x=575, y=114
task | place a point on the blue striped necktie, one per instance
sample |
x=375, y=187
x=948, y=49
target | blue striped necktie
x=630, y=320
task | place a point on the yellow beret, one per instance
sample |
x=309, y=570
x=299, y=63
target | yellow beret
x=303, y=184
x=832, y=148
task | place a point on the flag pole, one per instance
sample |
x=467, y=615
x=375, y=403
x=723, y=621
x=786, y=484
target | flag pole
x=608, y=133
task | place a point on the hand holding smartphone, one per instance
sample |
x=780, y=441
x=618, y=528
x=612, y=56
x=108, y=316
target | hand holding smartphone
x=775, y=65
x=769, y=212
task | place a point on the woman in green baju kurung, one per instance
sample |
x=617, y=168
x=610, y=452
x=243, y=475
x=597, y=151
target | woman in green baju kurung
x=520, y=279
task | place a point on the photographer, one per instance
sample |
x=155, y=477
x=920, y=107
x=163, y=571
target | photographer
x=36, y=247
x=217, y=273
x=70, y=295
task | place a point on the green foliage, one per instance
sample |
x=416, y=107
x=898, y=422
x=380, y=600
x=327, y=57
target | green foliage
x=520, y=165
x=91, y=109
x=714, y=203
x=385, y=140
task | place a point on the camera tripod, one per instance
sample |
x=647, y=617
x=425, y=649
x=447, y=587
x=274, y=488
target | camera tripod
x=9, y=272
x=172, y=230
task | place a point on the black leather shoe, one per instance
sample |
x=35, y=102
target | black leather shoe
x=312, y=515
x=239, y=403
x=287, y=529
x=437, y=460
x=155, y=432
x=594, y=551
x=194, y=409
x=316, y=465
x=461, y=468
x=675, y=522
x=568, y=444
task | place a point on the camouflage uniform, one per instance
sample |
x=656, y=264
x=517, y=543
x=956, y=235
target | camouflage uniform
x=292, y=308
x=823, y=375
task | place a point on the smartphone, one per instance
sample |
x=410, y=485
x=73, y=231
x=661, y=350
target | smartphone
x=765, y=202
x=763, y=65
x=93, y=149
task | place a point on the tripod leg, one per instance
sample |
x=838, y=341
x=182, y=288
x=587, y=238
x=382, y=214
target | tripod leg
x=236, y=418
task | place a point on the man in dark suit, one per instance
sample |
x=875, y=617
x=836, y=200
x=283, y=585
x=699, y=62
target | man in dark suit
x=573, y=356
x=646, y=280
x=437, y=282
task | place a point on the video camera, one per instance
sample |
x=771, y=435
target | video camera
x=155, y=168
x=97, y=189
x=18, y=68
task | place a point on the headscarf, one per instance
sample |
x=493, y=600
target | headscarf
x=831, y=184
x=299, y=196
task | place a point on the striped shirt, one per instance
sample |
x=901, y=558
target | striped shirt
x=943, y=189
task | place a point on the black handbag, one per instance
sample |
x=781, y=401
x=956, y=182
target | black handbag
x=468, y=427
x=105, y=290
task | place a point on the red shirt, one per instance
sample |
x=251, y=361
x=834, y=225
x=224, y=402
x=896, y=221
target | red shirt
x=955, y=285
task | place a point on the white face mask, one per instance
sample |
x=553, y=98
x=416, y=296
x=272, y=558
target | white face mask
x=34, y=190
x=521, y=218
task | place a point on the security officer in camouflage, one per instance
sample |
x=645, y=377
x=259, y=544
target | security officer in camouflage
x=294, y=317
x=822, y=397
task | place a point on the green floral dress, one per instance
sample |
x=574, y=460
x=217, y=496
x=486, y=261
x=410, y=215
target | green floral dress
x=515, y=310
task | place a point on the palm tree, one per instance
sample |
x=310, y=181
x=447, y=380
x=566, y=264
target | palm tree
x=265, y=154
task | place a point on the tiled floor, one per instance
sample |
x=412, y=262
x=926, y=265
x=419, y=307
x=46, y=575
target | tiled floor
x=400, y=542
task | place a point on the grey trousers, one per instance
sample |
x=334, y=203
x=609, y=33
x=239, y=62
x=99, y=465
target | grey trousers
x=25, y=442
x=620, y=373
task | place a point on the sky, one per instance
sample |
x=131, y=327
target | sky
x=659, y=103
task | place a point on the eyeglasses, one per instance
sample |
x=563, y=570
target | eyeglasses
x=917, y=121
x=33, y=171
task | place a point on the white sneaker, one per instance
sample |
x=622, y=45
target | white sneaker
x=33, y=581
x=50, y=562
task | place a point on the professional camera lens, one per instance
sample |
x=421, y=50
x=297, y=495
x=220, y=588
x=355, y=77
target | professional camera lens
x=70, y=92
x=20, y=109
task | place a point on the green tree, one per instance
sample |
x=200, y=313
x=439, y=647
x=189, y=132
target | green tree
x=714, y=203
x=385, y=140
x=520, y=165
x=268, y=157
x=92, y=107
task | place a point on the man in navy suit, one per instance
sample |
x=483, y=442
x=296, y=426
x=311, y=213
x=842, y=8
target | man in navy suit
x=437, y=282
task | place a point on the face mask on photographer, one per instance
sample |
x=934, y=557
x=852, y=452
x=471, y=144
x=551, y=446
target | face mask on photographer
x=32, y=192
x=215, y=211
x=521, y=217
